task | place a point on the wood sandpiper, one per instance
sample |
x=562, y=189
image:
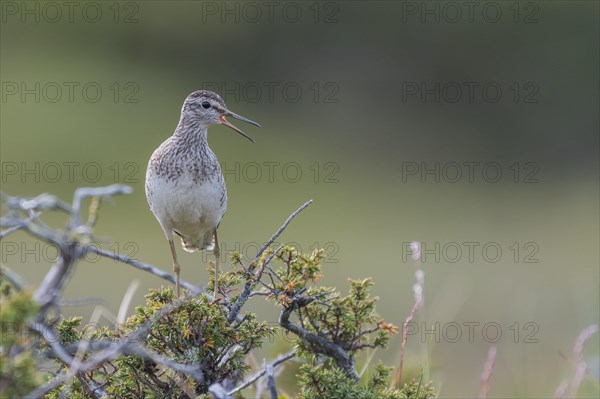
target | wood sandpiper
x=184, y=185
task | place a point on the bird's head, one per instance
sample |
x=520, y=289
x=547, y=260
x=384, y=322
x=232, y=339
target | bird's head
x=208, y=108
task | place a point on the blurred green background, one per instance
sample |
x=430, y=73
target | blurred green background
x=347, y=97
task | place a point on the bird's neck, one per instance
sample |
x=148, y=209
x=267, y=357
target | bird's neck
x=191, y=131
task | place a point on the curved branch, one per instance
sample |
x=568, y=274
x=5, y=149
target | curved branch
x=143, y=266
x=255, y=377
x=319, y=344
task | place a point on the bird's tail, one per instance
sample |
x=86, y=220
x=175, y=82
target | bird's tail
x=193, y=244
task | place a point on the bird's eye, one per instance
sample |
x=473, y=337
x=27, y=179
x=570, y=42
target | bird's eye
x=205, y=104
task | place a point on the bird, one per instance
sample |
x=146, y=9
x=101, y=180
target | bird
x=185, y=187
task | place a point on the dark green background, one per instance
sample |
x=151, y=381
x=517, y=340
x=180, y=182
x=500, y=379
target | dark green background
x=356, y=125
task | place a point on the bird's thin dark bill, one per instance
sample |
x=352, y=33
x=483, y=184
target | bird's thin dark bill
x=228, y=124
x=236, y=116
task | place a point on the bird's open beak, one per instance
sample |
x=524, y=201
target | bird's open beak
x=236, y=116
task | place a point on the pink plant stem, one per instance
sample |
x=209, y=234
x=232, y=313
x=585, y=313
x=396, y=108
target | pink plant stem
x=487, y=372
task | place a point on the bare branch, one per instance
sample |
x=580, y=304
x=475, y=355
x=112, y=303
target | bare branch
x=281, y=229
x=55, y=280
x=259, y=293
x=10, y=230
x=84, y=192
x=255, y=377
x=42, y=202
x=218, y=391
x=271, y=381
x=143, y=266
x=13, y=278
x=37, y=228
x=48, y=334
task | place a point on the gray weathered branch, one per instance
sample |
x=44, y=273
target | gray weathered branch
x=319, y=344
x=255, y=377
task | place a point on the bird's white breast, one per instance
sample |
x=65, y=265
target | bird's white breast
x=192, y=208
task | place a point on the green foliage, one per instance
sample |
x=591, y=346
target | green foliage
x=18, y=374
x=191, y=332
x=16, y=309
x=348, y=322
x=326, y=381
x=416, y=390
x=297, y=270
x=67, y=330
x=195, y=331
x=331, y=328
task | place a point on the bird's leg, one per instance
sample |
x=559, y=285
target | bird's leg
x=217, y=254
x=176, y=267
